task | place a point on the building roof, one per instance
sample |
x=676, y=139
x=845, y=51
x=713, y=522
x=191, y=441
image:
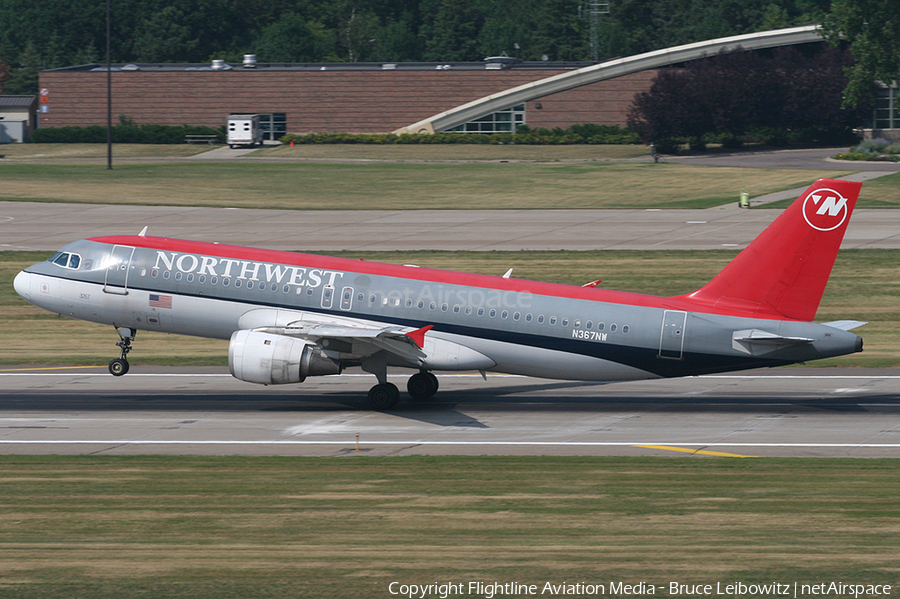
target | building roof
x=487, y=64
x=17, y=101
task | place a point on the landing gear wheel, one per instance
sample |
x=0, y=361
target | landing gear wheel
x=422, y=385
x=384, y=397
x=118, y=367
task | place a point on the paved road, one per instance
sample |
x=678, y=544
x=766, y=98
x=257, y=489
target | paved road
x=781, y=412
x=37, y=226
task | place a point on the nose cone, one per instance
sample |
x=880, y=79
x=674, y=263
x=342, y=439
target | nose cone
x=22, y=284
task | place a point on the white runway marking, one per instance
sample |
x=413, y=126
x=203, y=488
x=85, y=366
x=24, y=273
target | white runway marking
x=457, y=443
x=490, y=376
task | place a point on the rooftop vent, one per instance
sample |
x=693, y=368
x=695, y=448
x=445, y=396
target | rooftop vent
x=249, y=61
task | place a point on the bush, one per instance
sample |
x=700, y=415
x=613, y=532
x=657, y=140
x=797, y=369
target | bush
x=124, y=133
x=576, y=134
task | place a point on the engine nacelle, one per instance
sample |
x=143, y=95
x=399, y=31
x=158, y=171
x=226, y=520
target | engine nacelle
x=268, y=359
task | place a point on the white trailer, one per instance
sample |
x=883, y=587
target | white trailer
x=244, y=130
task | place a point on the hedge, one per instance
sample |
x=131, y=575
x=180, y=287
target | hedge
x=576, y=134
x=122, y=134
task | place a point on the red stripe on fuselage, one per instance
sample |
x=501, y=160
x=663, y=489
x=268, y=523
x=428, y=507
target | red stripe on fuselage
x=407, y=272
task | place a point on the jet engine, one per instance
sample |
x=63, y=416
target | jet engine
x=269, y=359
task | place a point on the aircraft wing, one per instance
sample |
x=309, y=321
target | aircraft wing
x=362, y=340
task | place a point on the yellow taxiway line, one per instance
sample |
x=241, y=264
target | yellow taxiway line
x=697, y=451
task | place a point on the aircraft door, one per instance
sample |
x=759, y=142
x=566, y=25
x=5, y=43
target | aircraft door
x=327, y=296
x=671, y=338
x=117, y=268
x=346, y=298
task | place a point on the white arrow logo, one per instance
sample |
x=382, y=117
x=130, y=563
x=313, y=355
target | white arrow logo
x=828, y=210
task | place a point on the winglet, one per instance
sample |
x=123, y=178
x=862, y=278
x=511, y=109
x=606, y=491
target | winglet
x=418, y=336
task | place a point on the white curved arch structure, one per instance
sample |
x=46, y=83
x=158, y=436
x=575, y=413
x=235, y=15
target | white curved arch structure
x=608, y=70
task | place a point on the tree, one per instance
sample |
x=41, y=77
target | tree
x=872, y=28
x=4, y=73
x=785, y=91
x=24, y=80
x=163, y=37
x=293, y=39
x=454, y=33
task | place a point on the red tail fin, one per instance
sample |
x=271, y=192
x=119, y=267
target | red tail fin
x=783, y=272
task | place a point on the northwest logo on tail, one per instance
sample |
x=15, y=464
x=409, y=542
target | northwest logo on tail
x=825, y=209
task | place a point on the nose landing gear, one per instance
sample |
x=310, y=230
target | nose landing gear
x=119, y=366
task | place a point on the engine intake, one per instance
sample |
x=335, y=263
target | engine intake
x=269, y=359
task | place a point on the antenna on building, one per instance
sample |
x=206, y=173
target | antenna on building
x=595, y=9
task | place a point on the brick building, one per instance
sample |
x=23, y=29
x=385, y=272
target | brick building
x=308, y=98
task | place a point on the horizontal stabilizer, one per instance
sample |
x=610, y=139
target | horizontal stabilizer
x=755, y=341
x=845, y=325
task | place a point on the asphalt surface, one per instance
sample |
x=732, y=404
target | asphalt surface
x=780, y=412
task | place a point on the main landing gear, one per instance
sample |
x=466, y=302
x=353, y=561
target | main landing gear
x=420, y=386
x=119, y=366
x=385, y=395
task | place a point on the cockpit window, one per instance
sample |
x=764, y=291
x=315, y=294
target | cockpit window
x=66, y=260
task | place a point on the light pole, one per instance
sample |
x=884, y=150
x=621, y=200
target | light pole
x=108, y=92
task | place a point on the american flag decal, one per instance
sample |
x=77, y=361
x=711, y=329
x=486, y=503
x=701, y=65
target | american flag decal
x=160, y=301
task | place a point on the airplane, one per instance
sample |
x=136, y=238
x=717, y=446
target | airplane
x=290, y=316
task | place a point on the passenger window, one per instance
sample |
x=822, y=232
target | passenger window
x=552, y=320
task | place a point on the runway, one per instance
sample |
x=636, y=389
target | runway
x=778, y=412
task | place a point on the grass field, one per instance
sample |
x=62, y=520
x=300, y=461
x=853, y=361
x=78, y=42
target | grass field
x=864, y=286
x=242, y=527
x=394, y=185
x=44, y=152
